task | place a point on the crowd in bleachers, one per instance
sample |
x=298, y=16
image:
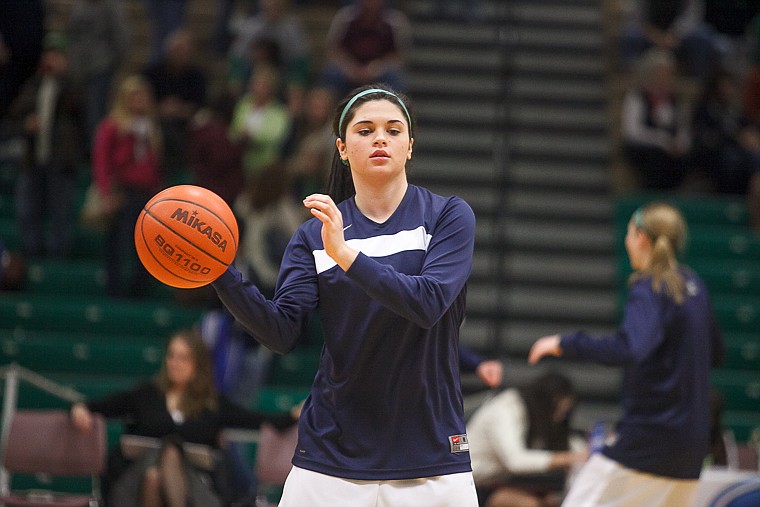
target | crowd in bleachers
x=689, y=117
x=272, y=109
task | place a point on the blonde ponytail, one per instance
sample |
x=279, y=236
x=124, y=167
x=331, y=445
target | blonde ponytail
x=666, y=227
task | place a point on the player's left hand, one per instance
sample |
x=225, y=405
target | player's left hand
x=333, y=239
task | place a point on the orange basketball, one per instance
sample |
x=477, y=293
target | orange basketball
x=186, y=236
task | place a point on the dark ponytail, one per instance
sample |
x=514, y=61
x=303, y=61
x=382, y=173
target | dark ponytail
x=340, y=184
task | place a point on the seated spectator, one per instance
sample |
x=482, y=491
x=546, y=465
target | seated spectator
x=726, y=145
x=367, y=42
x=182, y=416
x=276, y=23
x=49, y=113
x=521, y=444
x=215, y=161
x=656, y=125
x=671, y=25
x=179, y=88
x=260, y=121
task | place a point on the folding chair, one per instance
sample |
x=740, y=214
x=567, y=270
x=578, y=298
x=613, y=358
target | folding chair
x=45, y=443
x=272, y=462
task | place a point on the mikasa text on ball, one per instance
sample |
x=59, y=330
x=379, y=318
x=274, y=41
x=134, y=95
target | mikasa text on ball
x=186, y=236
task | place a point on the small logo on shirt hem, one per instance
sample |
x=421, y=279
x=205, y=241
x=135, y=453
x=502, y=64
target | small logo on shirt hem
x=458, y=443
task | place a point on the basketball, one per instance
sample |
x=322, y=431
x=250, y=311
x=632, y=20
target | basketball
x=186, y=236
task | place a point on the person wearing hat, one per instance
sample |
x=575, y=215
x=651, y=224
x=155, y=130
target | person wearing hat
x=47, y=114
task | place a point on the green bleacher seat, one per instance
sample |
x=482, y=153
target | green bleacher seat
x=728, y=243
x=91, y=386
x=9, y=234
x=742, y=351
x=20, y=334
x=22, y=482
x=729, y=277
x=31, y=397
x=88, y=244
x=715, y=210
x=296, y=368
x=740, y=388
x=743, y=423
x=737, y=313
x=279, y=398
x=114, y=429
x=95, y=386
x=80, y=277
x=7, y=207
x=104, y=356
x=53, y=313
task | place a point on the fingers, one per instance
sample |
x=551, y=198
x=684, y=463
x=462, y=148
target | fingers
x=546, y=346
x=322, y=207
x=325, y=210
x=535, y=354
x=319, y=202
x=81, y=417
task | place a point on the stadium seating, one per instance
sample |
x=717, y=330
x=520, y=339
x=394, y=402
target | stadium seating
x=742, y=351
x=296, y=368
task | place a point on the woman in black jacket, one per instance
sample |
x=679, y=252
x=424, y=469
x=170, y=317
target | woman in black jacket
x=168, y=456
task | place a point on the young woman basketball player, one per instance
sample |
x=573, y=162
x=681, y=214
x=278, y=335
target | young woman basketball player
x=667, y=342
x=385, y=263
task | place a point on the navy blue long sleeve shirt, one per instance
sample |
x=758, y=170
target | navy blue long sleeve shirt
x=667, y=351
x=386, y=401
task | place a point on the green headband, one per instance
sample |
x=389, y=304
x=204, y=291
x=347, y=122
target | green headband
x=638, y=218
x=367, y=92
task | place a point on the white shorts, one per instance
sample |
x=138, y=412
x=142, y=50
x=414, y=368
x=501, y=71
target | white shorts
x=312, y=489
x=603, y=482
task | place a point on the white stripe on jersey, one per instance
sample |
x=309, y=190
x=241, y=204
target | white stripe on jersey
x=379, y=246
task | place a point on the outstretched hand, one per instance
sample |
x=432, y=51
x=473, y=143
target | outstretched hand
x=546, y=346
x=325, y=210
